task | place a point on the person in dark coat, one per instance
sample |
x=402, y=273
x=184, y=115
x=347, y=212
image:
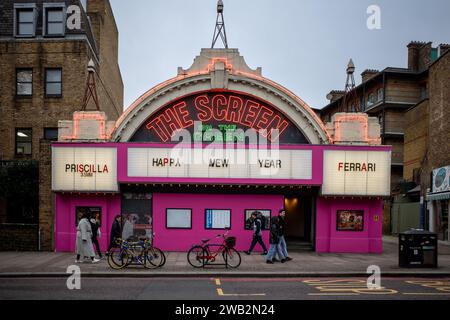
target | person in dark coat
x=274, y=241
x=116, y=232
x=95, y=226
x=257, y=234
x=282, y=223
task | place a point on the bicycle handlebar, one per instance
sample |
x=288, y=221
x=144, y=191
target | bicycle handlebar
x=223, y=235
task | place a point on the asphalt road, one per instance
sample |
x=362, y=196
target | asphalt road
x=225, y=288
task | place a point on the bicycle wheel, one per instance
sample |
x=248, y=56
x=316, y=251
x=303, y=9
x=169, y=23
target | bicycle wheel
x=118, y=258
x=232, y=257
x=153, y=258
x=197, y=257
x=163, y=261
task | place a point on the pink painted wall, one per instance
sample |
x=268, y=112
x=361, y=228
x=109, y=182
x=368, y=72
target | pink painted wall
x=65, y=228
x=183, y=239
x=328, y=239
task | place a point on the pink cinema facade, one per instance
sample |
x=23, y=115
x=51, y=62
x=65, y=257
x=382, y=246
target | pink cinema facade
x=327, y=236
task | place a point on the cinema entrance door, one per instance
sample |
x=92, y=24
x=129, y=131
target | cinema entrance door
x=300, y=219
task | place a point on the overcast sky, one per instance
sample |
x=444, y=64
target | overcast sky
x=302, y=44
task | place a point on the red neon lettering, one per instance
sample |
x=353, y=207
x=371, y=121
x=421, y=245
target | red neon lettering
x=249, y=114
x=262, y=118
x=232, y=108
x=183, y=115
x=171, y=120
x=235, y=105
x=219, y=104
x=204, y=110
x=160, y=130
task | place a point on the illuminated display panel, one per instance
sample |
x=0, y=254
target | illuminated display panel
x=225, y=111
x=219, y=163
x=84, y=169
x=356, y=173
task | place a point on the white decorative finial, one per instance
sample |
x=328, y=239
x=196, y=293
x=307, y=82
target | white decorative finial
x=91, y=66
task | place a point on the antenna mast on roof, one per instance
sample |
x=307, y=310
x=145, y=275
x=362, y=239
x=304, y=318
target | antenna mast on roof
x=350, y=96
x=91, y=89
x=219, y=30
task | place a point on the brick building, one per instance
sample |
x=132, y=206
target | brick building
x=427, y=146
x=396, y=96
x=45, y=47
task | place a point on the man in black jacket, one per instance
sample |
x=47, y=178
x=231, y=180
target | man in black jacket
x=95, y=225
x=257, y=234
x=116, y=232
x=274, y=241
x=282, y=225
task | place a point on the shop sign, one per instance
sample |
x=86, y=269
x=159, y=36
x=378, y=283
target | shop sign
x=441, y=179
x=356, y=173
x=219, y=163
x=84, y=169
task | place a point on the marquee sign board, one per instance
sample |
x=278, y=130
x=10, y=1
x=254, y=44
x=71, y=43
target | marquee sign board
x=356, y=173
x=84, y=169
x=219, y=163
x=225, y=111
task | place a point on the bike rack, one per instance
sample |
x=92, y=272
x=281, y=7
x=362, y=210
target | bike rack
x=216, y=264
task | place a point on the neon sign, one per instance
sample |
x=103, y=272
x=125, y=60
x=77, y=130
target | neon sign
x=225, y=111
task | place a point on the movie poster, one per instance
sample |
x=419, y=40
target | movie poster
x=350, y=220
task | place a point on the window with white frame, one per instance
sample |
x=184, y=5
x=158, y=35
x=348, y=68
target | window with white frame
x=54, y=19
x=24, y=20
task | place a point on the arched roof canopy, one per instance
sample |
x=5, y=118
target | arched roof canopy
x=221, y=70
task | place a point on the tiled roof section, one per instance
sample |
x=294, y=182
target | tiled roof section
x=417, y=43
x=370, y=71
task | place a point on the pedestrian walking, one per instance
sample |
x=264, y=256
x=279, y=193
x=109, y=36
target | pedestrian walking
x=95, y=226
x=84, y=240
x=257, y=233
x=282, y=224
x=274, y=241
x=116, y=232
x=128, y=227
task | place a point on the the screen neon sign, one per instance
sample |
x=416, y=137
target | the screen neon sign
x=219, y=110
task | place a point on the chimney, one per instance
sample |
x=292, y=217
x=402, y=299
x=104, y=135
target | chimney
x=335, y=95
x=368, y=73
x=419, y=55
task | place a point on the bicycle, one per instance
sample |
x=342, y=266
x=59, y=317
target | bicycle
x=136, y=253
x=205, y=254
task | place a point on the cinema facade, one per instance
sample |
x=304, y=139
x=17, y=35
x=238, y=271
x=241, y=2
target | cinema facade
x=248, y=144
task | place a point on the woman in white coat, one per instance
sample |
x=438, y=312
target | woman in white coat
x=84, y=240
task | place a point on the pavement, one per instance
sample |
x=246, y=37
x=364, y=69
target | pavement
x=304, y=264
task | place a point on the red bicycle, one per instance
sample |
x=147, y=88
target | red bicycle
x=205, y=254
